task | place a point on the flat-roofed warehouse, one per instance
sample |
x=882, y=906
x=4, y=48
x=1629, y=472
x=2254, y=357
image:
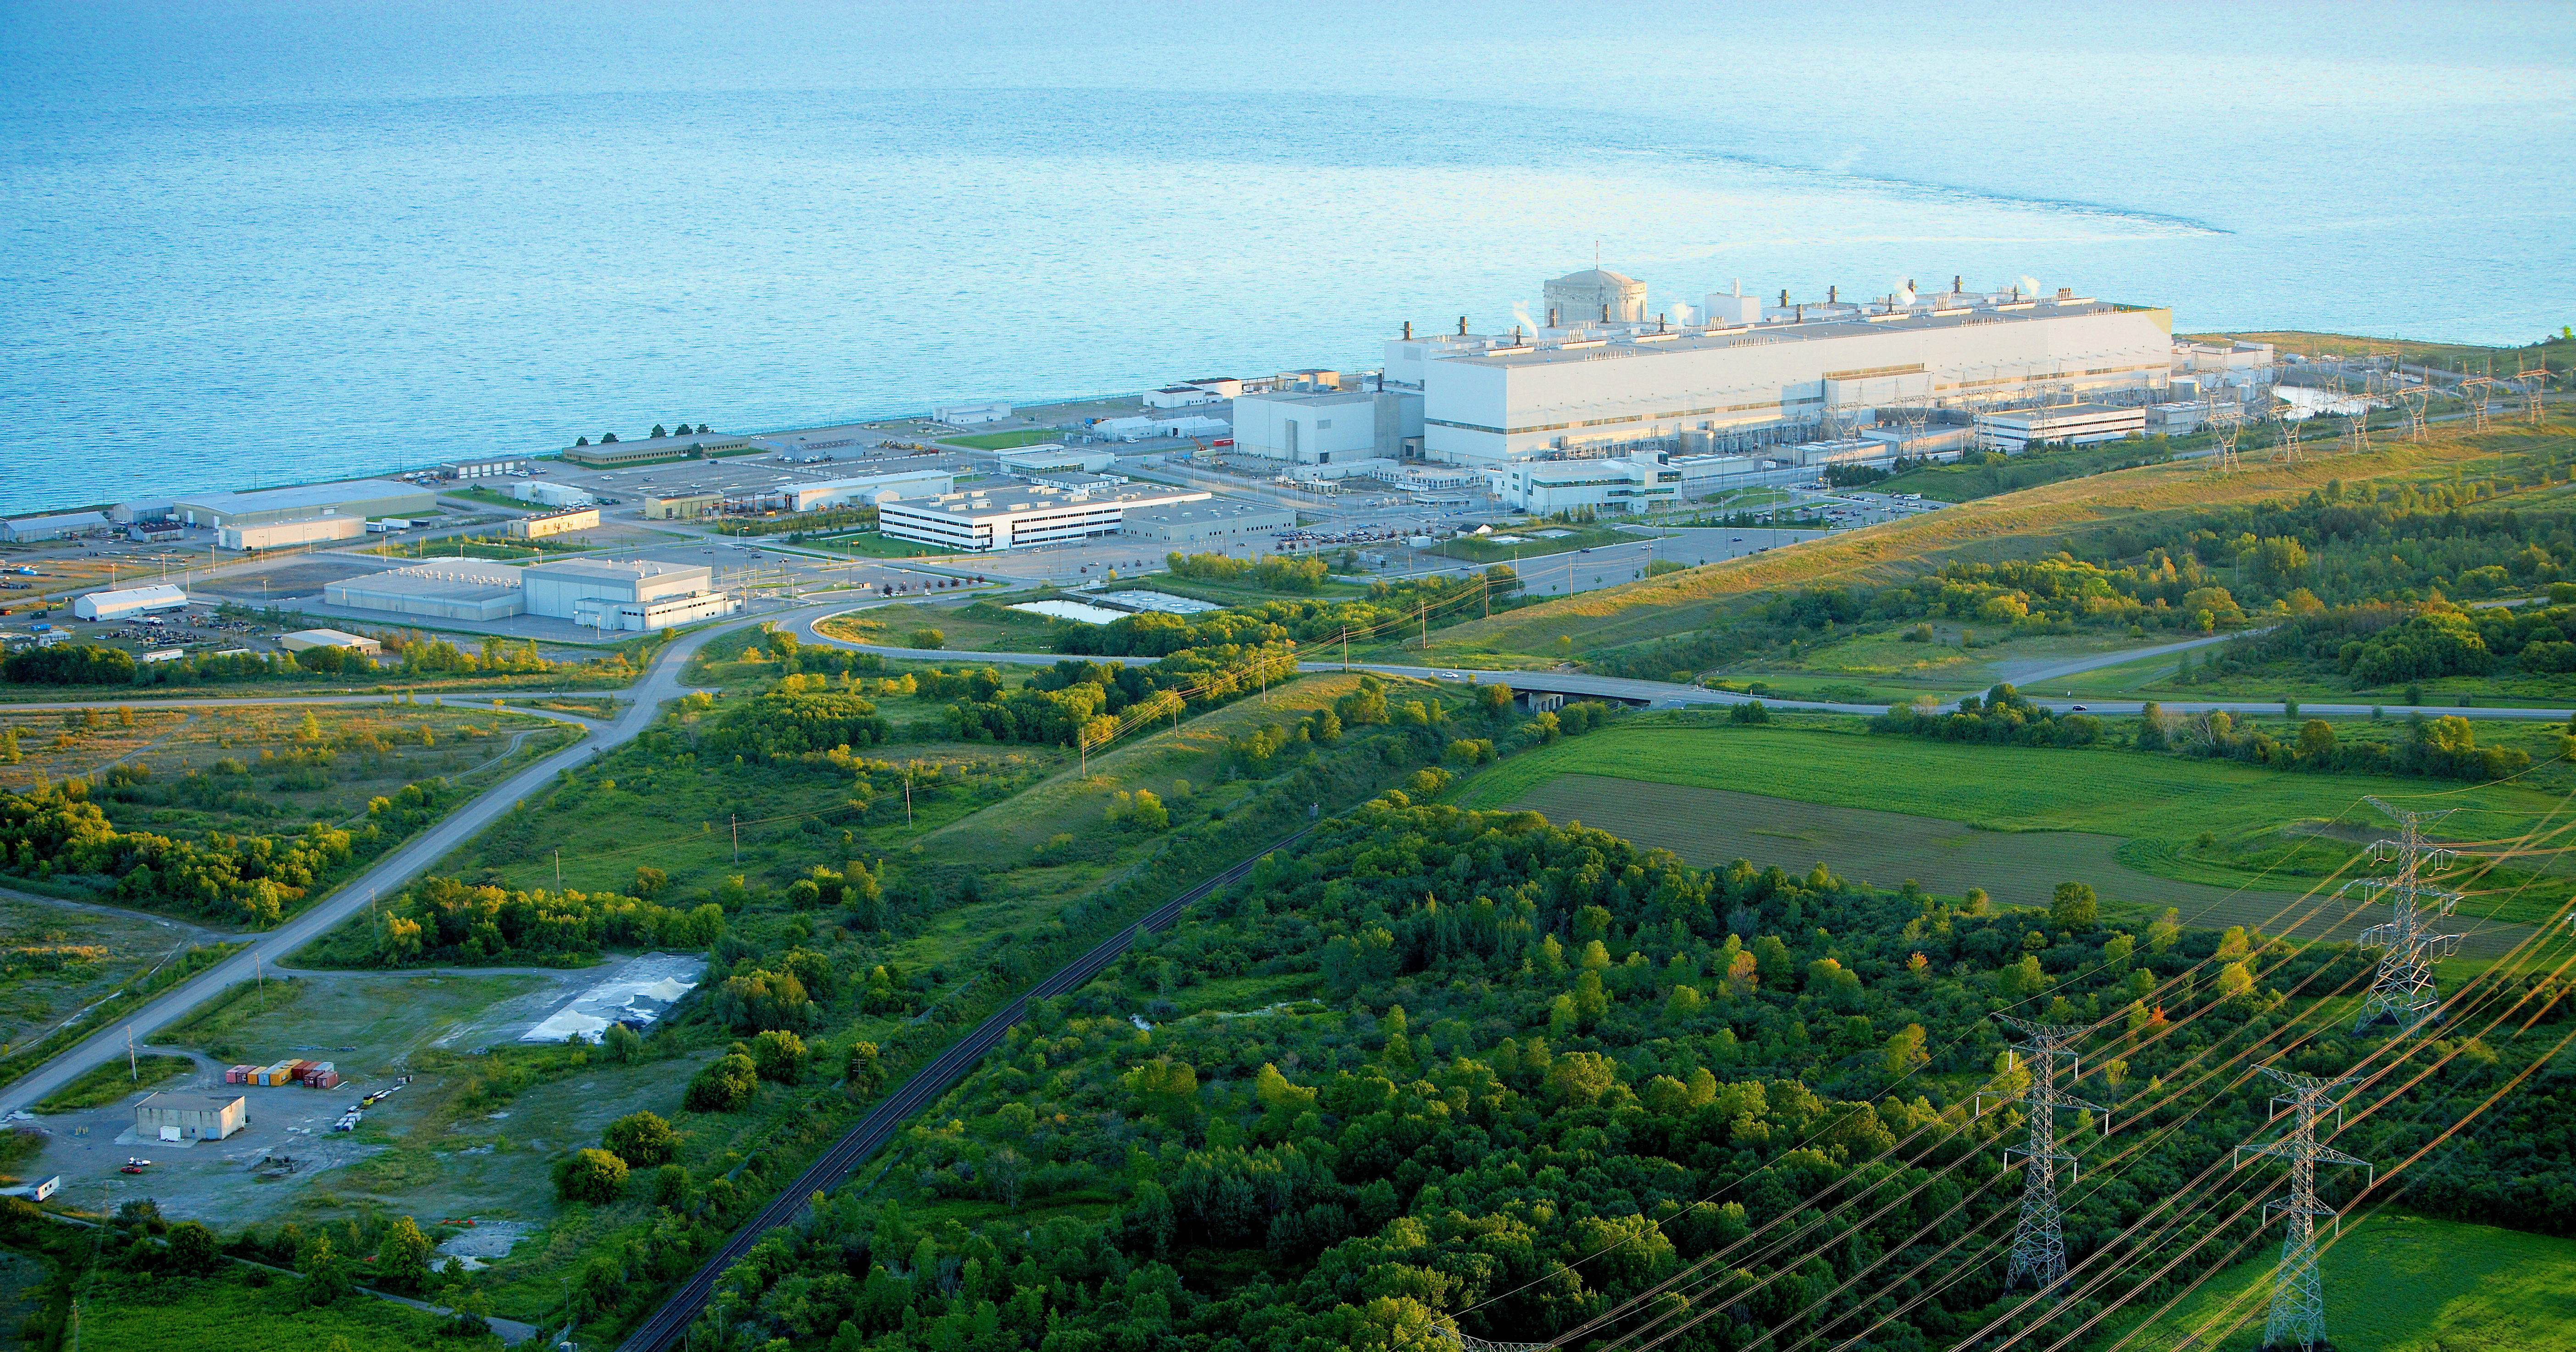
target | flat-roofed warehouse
x=116, y=605
x=190, y=1117
x=1489, y=401
x=636, y=595
x=1216, y=521
x=459, y=590
x=359, y=498
x=2067, y=424
x=28, y=529
x=989, y=519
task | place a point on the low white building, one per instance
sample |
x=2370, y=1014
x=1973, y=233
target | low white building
x=481, y=469
x=303, y=639
x=868, y=489
x=283, y=534
x=1053, y=456
x=582, y=590
x=1180, y=396
x=460, y=589
x=2064, y=424
x=968, y=415
x=28, y=529
x=118, y=605
x=1000, y=518
x=1162, y=425
x=545, y=494
x=1218, y=521
x=1543, y=486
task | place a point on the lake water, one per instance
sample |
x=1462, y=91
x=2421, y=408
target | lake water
x=252, y=243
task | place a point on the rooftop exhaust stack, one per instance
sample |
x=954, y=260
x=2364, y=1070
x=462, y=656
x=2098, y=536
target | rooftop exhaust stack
x=1833, y=295
x=1462, y=326
x=1408, y=330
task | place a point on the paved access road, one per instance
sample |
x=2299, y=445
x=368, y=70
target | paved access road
x=661, y=682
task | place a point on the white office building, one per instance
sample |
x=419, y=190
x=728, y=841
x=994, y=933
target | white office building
x=1633, y=387
x=1544, y=486
x=2065, y=424
x=969, y=415
x=608, y=594
x=990, y=519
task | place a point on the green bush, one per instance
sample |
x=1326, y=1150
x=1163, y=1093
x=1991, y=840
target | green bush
x=641, y=1139
x=593, y=1176
x=724, y=1086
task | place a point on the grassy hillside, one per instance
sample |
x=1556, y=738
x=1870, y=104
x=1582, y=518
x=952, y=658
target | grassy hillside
x=2023, y=525
x=2395, y=1282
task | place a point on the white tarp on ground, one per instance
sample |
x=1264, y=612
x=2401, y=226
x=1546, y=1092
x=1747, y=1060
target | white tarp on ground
x=1159, y=601
x=1072, y=610
x=640, y=990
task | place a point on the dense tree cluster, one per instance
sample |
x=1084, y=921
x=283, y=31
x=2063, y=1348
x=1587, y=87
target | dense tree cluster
x=448, y=922
x=1539, y=1049
x=1276, y=572
x=1388, y=606
x=2379, y=644
x=244, y=879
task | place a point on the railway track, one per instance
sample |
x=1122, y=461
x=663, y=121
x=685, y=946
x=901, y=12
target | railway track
x=666, y=1324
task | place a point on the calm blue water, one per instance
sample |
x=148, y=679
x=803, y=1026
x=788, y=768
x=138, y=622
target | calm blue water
x=255, y=243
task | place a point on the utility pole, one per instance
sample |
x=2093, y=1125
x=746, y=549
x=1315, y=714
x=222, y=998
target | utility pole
x=2403, y=990
x=2039, y=1242
x=132, y=1071
x=736, y=819
x=371, y=904
x=2298, y=1315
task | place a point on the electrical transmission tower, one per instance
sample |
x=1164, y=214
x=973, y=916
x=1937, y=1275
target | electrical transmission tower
x=2413, y=399
x=2535, y=383
x=2474, y=391
x=2298, y=1316
x=2403, y=990
x=2287, y=427
x=2226, y=425
x=2039, y=1242
x=1468, y=1343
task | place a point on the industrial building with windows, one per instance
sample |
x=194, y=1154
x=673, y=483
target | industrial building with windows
x=1019, y=517
x=1635, y=384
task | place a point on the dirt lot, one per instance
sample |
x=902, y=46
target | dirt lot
x=1712, y=826
x=409, y=1154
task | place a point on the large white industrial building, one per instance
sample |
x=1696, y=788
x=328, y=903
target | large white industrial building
x=594, y=593
x=1019, y=517
x=360, y=498
x=1600, y=389
x=284, y=534
x=1337, y=432
x=117, y=605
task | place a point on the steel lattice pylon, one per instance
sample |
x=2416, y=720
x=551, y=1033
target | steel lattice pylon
x=2298, y=1317
x=2403, y=990
x=1468, y=1343
x=2039, y=1241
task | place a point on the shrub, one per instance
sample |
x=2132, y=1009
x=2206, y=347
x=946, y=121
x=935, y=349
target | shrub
x=724, y=1086
x=779, y=1056
x=641, y=1139
x=593, y=1176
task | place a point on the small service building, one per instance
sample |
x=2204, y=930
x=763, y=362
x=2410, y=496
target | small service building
x=190, y=1117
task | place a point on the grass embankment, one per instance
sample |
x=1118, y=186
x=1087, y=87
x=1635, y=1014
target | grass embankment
x=1967, y=483
x=981, y=626
x=2022, y=525
x=2196, y=824
x=2394, y=1282
x=105, y=1084
x=1533, y=542
x=2559, y=352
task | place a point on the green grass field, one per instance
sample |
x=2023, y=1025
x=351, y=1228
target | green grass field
x=1003, y=441
x=105, y=1084
x=156, y=1314
x=2395, y=1282
x=2198, y=822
